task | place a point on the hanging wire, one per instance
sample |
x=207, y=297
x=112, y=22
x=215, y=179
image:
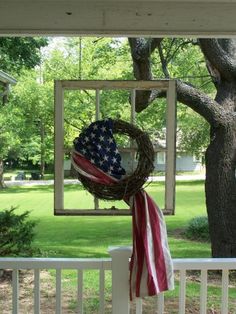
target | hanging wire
x=80, y=58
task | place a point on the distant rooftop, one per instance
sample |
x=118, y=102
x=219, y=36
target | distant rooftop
x=7, y=79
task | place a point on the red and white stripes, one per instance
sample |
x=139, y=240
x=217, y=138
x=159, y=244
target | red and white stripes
x=151, y=270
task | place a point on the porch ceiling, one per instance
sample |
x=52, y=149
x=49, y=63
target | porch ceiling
x=121, y=18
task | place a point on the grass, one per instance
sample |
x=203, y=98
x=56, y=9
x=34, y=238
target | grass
x=64, y=236
x=90, y=236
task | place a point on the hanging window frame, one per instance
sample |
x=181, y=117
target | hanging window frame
x=60, y=86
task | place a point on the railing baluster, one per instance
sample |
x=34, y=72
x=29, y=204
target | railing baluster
x=203, y=292
x=182, y=291
x=225, y=284
x=15, y=291
x=139, y=305
x=160, y=303
x=58, y=291
x=80, y=291
x=101, y=291
x=36, y=291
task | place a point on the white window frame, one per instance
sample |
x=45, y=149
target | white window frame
x=197, y=159
x=61, y=85
x=161, y=158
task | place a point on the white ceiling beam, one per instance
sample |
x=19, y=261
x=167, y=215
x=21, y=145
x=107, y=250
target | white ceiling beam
x=115, y=1
x=119, y=18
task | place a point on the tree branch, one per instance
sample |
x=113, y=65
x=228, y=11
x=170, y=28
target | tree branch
x=73, y=125
x=152, y=43
x=219, y=58
x=201, y=103
x=170, y=56
x=163, y=61
x=186, y=94
x=141, y=50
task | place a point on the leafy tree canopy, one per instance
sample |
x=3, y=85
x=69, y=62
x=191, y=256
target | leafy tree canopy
x=20, y=52
x=101, y=58
x=16, y=54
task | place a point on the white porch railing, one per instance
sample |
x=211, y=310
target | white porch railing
x=119, y=264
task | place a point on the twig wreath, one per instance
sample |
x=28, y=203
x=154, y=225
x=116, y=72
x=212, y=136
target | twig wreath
x=131, y=184
x=98, y=163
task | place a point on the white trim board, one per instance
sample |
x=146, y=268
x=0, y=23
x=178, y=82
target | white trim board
x=118, y=18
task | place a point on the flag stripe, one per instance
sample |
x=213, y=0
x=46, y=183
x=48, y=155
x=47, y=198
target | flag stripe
x=158, y=249
x=150, y=240
x=153, y=287
x=90, y=170
x=145, y=237
x=151, y=269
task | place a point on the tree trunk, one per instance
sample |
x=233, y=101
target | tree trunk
x=2, y=184
x=221, y=188
x=220, y=113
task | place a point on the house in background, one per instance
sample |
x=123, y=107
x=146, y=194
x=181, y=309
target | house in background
x=184, y=161
x=5, y=81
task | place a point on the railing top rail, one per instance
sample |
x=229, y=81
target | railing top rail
x=204, y=263
x=55, y=263
x=105, y=263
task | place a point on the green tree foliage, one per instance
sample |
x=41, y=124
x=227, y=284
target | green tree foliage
x=100, y=58
x=16, y=54
x=182, y=59
x=35, y=104
x=97, y=58
x=89, y=58
x=20, y=52
x=11, y=130
x=198, y=229
x=193, y=131
x=16, y=233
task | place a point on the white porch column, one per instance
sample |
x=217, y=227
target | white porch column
x=120, y=279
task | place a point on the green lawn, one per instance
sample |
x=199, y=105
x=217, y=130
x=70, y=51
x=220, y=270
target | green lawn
x=64, y=236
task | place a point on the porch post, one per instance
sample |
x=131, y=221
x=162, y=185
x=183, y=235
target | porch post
x=120, y=279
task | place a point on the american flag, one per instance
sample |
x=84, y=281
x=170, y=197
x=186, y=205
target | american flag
x=96, y=156
x=97, y=144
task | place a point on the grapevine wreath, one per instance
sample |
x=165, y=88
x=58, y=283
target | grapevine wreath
x=98, y=163
x=130, y=184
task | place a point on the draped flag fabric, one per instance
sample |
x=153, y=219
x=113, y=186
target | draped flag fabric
x=97, y=144
x=96, y=156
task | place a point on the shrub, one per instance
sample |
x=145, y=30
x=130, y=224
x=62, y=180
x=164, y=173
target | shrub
x=198, y=229
x=16, y=233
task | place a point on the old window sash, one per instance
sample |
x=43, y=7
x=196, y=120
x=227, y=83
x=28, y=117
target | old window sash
x=60, y=86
